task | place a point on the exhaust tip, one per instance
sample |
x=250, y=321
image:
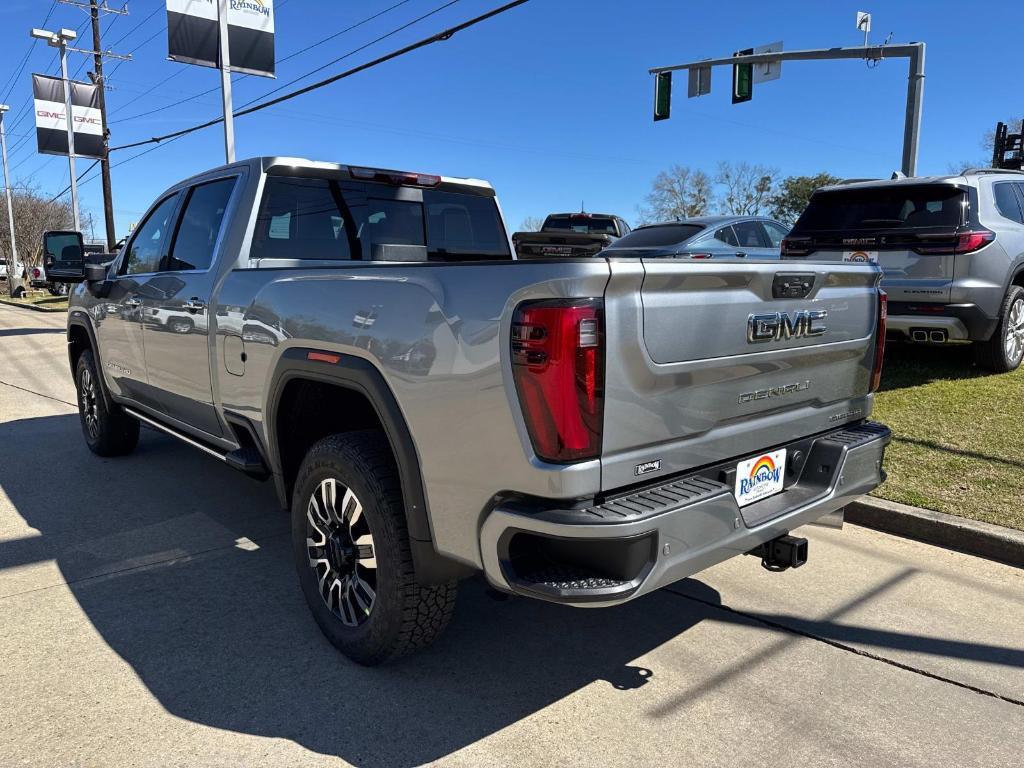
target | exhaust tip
x=938, y=337
x=919, y=335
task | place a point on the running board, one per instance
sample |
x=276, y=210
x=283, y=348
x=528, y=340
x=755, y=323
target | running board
x=246, y=460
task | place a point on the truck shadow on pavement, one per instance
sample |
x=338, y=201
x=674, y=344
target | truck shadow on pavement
x=184, y=568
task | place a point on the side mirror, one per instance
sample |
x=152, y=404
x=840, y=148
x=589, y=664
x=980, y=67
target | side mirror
x=64, y=256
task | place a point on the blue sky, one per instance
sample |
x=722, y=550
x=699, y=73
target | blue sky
x=550, y=102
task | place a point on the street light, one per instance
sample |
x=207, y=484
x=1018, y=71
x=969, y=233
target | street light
x=12, y=269
x=60, y=40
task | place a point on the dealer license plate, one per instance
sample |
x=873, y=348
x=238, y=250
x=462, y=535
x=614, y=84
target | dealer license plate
x=760, y=477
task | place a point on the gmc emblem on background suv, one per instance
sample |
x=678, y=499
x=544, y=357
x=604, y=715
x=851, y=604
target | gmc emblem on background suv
x=776, y=326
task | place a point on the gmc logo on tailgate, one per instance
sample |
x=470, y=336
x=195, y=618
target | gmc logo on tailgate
x=776, y=326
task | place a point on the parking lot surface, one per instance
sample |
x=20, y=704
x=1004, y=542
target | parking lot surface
x=150, y=615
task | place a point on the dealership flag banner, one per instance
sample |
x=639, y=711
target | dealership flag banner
x=51, y=117
x=192, y=34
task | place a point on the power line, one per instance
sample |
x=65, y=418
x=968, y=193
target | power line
x=13, y=79
x=439, y=37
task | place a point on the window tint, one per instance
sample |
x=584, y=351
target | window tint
x=145, y=249
x=328, y=219
x=659, y=235
x=463, y=224
x=901, y=206
x=302, y=219
x=1006, y=201
x=727, y=236
x=582, y=222
x=750, y=235
x=775, y=233
x=199, y=226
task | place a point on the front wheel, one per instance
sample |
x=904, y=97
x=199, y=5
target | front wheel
x=108, y=430
x=1005, y=350
x=351, y=549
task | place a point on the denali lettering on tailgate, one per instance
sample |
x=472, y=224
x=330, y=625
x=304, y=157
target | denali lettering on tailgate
x=785, y=389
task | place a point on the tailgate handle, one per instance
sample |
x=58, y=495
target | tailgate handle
x=792, y=285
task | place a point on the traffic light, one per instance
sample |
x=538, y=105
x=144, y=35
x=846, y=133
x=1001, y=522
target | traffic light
x=662, y=95
x=742, y=78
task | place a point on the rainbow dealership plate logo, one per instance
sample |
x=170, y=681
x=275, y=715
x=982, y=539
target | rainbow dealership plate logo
x=760, y=477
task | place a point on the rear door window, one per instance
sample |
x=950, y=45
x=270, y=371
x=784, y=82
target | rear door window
x=199, y=226
x=872, y=209
x=775, y=233
x=727, y=236
x=750, y=234
x=1006, y=201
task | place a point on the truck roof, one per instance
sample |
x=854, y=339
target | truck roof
x=264, y=163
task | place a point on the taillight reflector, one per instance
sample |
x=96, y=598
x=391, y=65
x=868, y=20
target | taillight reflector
x=323, y=357
x=558, y=368
x=883, y=316
x=36, y=273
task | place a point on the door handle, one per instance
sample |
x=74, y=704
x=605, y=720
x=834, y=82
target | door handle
x=195, y=304
x=133, y=303
x=741, y=254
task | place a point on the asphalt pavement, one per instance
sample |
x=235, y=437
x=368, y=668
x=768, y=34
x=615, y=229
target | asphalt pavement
x=150, y=616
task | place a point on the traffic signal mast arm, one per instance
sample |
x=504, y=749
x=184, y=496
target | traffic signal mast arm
x=914, y=52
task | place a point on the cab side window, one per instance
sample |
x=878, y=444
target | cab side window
x=145, y=250
x=199, y=226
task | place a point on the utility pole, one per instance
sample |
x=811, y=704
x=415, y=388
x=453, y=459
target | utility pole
x=93, y=7
x=97, y=58
x=225, y=81
x=12, y=264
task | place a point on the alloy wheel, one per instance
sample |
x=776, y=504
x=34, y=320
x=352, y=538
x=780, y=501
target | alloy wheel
x=88, y=401
x=1015, y=332
x=340, y=550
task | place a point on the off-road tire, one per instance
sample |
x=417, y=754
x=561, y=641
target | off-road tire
x=996, y=354
x=107, y=429
x=404, y=615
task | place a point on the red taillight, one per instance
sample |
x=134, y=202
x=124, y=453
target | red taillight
x=965, y=242
x=795, y=246
x=36, y=273
x=883, y=315
x=558, y=367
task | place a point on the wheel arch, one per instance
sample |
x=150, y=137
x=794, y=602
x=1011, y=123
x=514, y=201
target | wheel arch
x=353, y=381
x=82, y=336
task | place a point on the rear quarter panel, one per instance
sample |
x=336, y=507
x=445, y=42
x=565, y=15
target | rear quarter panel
x=439, y=334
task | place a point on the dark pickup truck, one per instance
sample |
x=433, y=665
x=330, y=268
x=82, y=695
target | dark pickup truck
x=570, y=235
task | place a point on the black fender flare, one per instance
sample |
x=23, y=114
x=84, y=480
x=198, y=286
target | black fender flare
x=80, y=319
x=360, y=375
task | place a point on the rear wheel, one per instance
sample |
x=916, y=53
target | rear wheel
x=1005, y=350
x=351, y=549
x=108, y=431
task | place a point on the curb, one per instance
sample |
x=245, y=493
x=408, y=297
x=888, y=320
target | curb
x=33, y=307
x=973, y=537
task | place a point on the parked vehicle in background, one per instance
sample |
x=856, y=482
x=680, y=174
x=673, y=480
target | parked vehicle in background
x=570, y=235
x=582, y=431
x=705, y=237
x=951, y=248
x=3, y=268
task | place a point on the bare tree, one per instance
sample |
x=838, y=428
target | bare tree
x=34, y=213
x=678, y=193
x=747, y=188
x=531, y=224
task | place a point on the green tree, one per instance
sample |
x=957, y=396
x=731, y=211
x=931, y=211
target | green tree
x=793, y=194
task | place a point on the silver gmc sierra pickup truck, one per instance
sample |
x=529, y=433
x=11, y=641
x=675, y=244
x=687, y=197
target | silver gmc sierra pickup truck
x=581, y=431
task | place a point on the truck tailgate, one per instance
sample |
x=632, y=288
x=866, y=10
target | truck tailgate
x=688, y=383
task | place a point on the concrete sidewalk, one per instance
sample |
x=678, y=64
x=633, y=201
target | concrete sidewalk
x=150, y=616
